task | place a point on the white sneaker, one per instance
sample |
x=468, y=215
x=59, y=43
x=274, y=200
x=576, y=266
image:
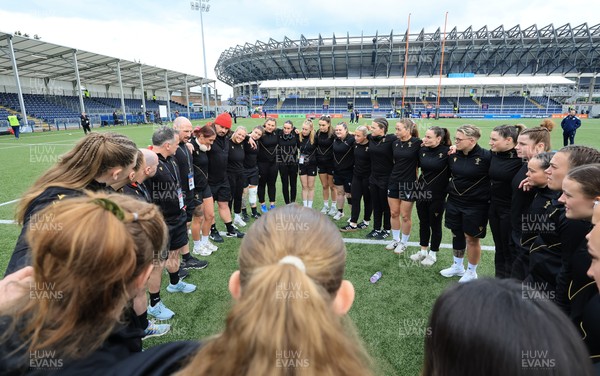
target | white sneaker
x=400, y=248
x=392, y=245
x=237, y=221
x=325, y=210
x=419, y=256
x=333, y=211
x=338, y=216
x=429, y=260
x=211, y=246
x=453, y=271
x=202, y=250
x=469, y=275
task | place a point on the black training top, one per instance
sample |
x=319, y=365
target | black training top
x=362, y=160
x=469, y=179
x=183, y=157
x=556, y=235
x=250, y=154
x=138, y=191
x=434, y=170
x=267, y=150
x=382, y=157
x=200, y=161
x=308, y=150
x=235, y=163
x=164, y=189
x=287, y=149
x=406, y=160
x=218, y=156
x=324, y=147
x=343, y=153
x=520, y=199
x=21, y=256
x=503, y=168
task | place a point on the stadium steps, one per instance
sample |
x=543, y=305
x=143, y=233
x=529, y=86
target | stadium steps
x=39, y=123
x=535, y=103
x=476, y=101
x=375, y=103
x=280, y=103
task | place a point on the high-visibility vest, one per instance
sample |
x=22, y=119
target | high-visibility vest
x=13, y=121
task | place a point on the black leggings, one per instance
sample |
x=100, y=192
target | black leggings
x=267, y=178
x=289, y=181
x=430, y=223
x=236, y=184
x=499, y=218
x=381, y=208
x=360, y=189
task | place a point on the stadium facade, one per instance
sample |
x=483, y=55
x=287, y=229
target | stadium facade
x=555, y=65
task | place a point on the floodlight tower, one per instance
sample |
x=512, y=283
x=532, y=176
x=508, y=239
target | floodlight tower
x=203, y=6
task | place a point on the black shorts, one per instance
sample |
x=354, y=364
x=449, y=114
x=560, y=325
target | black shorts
x=178, y=234
x=252, y=176
x=221, y=192
x=403, y=190
x=381, y=182
x=325, y=167
x=469, y=218
x=307, y=169
x=191, y=202
x=202, y=193
x=343, y=178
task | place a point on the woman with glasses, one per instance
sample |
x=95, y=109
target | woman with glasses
x=468, y=201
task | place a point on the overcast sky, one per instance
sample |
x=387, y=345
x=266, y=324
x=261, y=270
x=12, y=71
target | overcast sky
x=167, y=33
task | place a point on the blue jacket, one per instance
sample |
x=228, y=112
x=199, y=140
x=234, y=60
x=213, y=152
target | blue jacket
x=570, y=124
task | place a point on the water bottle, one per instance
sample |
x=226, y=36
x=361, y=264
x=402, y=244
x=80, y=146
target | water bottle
x=375, y=277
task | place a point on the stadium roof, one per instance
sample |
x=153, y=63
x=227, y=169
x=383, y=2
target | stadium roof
x=500, y=51
x=42, y=60
x=523, y=80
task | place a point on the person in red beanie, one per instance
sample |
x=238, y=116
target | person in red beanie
x=218, y=179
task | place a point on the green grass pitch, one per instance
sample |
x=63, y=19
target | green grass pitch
x=391, y=315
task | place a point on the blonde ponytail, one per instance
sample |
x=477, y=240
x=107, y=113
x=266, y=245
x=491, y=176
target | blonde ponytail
x=284, y=322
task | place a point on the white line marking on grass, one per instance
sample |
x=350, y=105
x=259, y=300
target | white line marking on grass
x=7, y=222
x=9, y=202
x=411, y=244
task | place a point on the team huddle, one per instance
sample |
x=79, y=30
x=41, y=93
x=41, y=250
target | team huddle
x=143, y=204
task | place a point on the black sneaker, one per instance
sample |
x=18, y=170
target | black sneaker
x=182, y=273
x=362, y=225
x=245, y=217
x=216, y=237
x=193, y=263
x=235, y=234
x=372, y=234
x=256, y=215
x=382, y=235
x=348, y=228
